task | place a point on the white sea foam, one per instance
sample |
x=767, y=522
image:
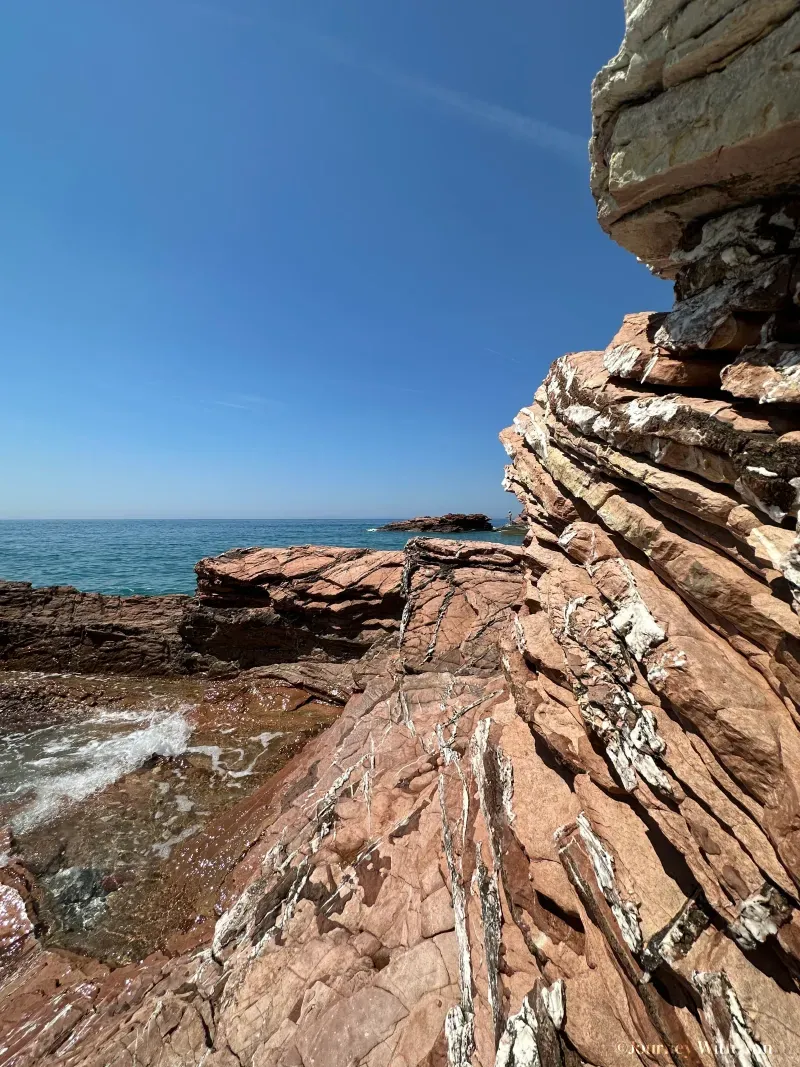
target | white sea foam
x=222, y=764
x=267, y=737
x=163, y=848
x=89, y=759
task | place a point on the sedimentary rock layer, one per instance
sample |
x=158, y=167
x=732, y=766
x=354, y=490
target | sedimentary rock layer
x=556, y=819
x=253, y=607
x=698, y=113
x=260, y=606
x=660, y=624
x=59, y=628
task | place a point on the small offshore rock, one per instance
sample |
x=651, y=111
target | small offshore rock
x=452, y=522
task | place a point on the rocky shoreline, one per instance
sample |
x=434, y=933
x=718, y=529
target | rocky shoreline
x=556, y=819
x=252, y=608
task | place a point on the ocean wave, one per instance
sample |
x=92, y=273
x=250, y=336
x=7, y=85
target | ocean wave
x=91, y=763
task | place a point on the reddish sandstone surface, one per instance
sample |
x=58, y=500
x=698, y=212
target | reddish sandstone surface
x=557, y=808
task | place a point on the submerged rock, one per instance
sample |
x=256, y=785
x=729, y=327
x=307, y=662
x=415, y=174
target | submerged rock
x=103, y=803
x=79, y=894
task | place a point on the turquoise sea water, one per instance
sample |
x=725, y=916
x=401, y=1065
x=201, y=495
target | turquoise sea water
x=158, y=556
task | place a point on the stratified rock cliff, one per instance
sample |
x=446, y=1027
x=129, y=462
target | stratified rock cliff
x=696, y=116
x=558, y=822
x=661, y=480
x=257, y=606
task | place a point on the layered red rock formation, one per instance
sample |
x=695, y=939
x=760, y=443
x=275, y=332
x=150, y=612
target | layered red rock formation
x=459, y=600
x=60, y=628
x=261, y=606
x=584, y=847
x=253, y=607
x=338, y=935
x=17, y=910
x=557, y=822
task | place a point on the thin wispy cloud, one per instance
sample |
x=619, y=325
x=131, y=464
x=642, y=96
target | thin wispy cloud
x=230, y=404
x=493, y=117
x=255, y=401
x=502, y=355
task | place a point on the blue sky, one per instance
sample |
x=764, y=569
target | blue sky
x=267, y=258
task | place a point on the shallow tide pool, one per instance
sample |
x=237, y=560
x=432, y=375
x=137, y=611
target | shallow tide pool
x=102, y=795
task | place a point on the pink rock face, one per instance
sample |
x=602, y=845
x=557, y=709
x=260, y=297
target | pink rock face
x=254, y=607
x=15, y=926
x=633, y=355
x=311, y=576
x=769, y=374
x=461, y=597
x=308, y=602
x=558, y=812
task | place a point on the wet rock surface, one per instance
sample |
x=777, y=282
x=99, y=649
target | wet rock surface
x=60, y=628
x=101, y=802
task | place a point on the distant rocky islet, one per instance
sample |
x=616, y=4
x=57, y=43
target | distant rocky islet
x=452, y=522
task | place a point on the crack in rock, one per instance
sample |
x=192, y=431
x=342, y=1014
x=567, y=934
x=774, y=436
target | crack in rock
x=460, y=1021
x=674, y=940
x=729, y=1029
x=625, y=911
x=759, y=916
x=524, y=1042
